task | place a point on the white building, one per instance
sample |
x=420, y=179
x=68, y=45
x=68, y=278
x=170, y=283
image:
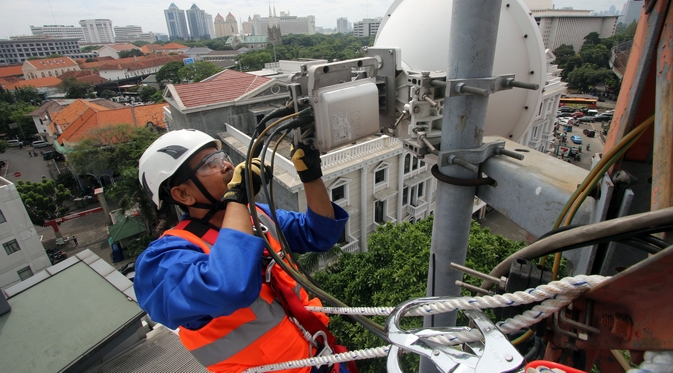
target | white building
x=288, y=24
x=112, y=50
x=540, y=134
x=569, y=26
x=367, y=27
x=23, y=253
x=631, y=11
x=98, y=31
x=342, y=25
x=128, y=34
x=176, y=23
x=59, y=31
x=46, y=67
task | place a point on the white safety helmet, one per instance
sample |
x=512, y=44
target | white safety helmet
x=165, y=156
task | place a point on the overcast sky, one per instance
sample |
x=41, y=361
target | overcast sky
x=16, y=16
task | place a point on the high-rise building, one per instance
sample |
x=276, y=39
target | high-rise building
x=58, y=31
x=98, y=31
x=210, y=26
x=342, y=25
x=176, y=23
x=367, y=27
x=247, y=26
x=225, y=27
x=127, y=33
x=16, y=51
x=631, y=11
x=198, y=23
x=569, y=26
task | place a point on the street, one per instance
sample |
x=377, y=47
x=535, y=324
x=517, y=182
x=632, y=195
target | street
x=29, y=168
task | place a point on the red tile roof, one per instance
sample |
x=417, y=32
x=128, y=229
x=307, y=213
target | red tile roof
x=7, y=80
x=11, y=71
x=227, y=86
x=122, y=47
x=50, y=63
x=149, y=48
x=93, y=119
x=49, y=81
x=131, y=63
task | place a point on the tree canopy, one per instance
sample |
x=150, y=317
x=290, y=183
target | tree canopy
x=14, y=105
x=395, y=269
x=43, y=200
x=76, y=89
x=130, y=53
x=147, y=92
x=169, y=73
x=196, y=72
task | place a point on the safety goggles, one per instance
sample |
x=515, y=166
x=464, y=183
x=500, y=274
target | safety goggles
x=212, y=163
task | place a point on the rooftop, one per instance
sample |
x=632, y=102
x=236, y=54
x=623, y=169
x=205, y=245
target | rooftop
x=66, y=314
x=132, y=63
x=121, y=46
x=6, y=71
x=49, y=81
x=223, y=87
x=51, y=63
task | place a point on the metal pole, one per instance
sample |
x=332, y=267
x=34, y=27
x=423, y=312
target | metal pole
x=474, y=31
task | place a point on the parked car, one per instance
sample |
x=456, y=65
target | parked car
x=602, y=118
x=587, y=119
x=576, y=139
x=593, y=112
x=52, y=155
x=568, y=128
x=589, y=133
x=40, y=144
x=577, y=114
x=564, y=115
x=566, y=109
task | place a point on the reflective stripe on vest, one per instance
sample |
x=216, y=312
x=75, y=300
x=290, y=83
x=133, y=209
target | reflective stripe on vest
x=238, y=341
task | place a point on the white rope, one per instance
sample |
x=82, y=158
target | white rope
x=562, y=293
x=568, y=285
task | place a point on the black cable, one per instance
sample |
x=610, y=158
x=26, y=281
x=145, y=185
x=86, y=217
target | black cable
x=640, y=245
x=617, y=238
x=656, y=241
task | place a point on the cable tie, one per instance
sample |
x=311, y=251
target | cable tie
x=539, y=314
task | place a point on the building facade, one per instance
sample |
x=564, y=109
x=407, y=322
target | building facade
x=226, y=26
x=631, y=11
x=23, y=254
x=59, y=31
x=247, y=26
x=342, y=25
x=112, y=50
x=98, y=31
x=567, y=26
x=14, y=52
x=540, y=134
x=176, y=22
x=128, y=34
x=288, y=24
x=44, y=68
x=200, y=23
x=367, y=27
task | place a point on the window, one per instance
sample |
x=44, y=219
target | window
x=2, y=217
x=339, y=193
x=405, y=196
x=414, y=164
x=24, y=273
x=407, y=163
x=11, y=247
x=378, y=211
x=380, y=176
x=420, y=189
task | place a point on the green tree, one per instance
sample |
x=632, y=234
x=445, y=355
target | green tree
x=116, y=150
x=169, y=73
x=90, y=48
x=3, y=146
x=131, y=53
x=27, y=94
x=198, y=71
x=158, y=97
x=147, y=92
x=139, y=43
x=394, y=270
x=76, y=89
x=43, y=200
x=107, y=94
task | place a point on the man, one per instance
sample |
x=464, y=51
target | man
x=208, y=276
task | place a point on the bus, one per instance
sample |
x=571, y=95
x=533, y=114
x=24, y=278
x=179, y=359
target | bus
x=578, y=102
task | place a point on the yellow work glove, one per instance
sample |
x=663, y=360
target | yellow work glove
x=239, y=182
x=307, y=162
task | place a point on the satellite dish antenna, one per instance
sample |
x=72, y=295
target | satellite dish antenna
x=421, y=29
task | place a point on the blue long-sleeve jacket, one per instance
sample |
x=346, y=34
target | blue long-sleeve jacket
x=179, y=285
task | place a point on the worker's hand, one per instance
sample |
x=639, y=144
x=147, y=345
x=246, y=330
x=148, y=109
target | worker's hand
x=239, y=182
x=307, y=162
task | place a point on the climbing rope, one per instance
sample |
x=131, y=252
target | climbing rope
x=554, y=296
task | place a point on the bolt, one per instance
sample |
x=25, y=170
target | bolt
x=425, y=73
x=315, y=100
x=390, y=51
x=435, y=352
x=417, y=109
x=620, y=325
x=509, y=357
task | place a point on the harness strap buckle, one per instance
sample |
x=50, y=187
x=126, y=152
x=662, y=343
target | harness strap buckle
x=326, y=350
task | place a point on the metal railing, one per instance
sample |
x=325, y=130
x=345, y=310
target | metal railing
x=417, y=210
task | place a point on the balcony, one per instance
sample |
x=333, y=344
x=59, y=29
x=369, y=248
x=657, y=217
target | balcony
x=418, y=210
x=351, y=247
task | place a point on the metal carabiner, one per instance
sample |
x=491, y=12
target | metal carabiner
x=496, y=354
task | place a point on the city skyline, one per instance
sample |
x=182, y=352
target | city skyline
x=17, y=17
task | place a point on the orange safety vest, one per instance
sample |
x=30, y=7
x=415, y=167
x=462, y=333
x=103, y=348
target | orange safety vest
x=257, y=335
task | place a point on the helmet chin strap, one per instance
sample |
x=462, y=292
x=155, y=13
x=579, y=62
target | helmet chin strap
x=213, y=207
